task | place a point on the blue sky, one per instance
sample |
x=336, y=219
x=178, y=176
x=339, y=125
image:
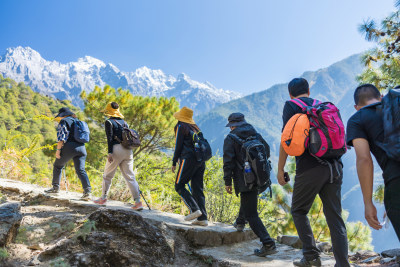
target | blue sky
x=244, y=46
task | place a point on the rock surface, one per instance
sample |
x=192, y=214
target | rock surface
x=10, y=219
x=69, y=232
x=290, y=240
x=324, y=247
x=391, y=253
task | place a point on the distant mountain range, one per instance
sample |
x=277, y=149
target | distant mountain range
x=335, y=83
x=67, y=81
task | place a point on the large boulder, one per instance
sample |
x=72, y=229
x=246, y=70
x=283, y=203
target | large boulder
x=10, y=220
x=290, y=240
x=391, y=253
x=119, y=238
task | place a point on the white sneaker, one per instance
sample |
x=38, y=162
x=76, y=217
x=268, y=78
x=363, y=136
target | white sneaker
x=193, y=215
x=200, y=223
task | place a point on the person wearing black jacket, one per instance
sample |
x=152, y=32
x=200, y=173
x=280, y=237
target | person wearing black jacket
x=233, y=160
x=67, y=149
x=118, y=156
x=190, y=170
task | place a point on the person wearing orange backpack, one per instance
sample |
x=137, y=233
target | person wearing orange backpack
x=314, y=173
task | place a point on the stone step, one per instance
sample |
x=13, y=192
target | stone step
x=241, y=254
x=216, y=234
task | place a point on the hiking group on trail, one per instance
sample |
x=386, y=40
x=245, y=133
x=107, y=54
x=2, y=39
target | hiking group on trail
x=313, y=132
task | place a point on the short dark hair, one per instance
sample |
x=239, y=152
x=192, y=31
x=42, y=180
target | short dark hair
x=298, y=86
x=114, y=105
x=364, y=93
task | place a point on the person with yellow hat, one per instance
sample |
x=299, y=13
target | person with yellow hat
x=118, y=156
x=190, y=170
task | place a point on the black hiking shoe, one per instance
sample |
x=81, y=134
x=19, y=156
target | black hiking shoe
x=306, y=263
x=266, y=250
x=239, y=227
x=53, y=190
x=86, y=196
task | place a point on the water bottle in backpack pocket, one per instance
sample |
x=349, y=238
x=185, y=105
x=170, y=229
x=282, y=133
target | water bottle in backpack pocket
x=202, y=148
x=257, y=167
x=249, y=177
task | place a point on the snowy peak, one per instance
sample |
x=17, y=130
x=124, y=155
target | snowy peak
x=67, y=81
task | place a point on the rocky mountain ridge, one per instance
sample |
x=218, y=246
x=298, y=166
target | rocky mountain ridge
x=67, y=81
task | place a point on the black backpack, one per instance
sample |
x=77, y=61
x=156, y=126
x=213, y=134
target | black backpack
x=130, y=138
x=391, y=124
x=202, y=148
x=257, y=167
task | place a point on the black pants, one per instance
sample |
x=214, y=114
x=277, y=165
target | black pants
x=392, y=204
x=192, y=171
x=76, y=152
x=248, y=212
x=306, y=186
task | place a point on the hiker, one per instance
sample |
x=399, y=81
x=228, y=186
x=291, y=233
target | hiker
x=118, y=156
x=314, y=176
x=233, y=161
x=190, y=170
x=69, y=148
x=366, y=131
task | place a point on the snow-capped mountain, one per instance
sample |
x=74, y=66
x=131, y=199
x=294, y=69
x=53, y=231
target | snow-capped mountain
x=66, y=81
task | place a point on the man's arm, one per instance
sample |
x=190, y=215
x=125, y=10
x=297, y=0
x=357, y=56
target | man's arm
x=281, y=165
x=365, y=171
x=229, y=162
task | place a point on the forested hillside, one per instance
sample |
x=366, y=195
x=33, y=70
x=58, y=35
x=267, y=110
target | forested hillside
x=26, y=127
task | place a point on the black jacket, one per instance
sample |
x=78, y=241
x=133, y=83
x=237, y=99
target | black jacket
x=113, y=129
x=184, y=148
x=233, y=159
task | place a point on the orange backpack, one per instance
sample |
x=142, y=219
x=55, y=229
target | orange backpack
x=294, y=135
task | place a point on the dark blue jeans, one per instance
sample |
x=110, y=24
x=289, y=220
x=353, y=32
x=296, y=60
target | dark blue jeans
x=76, y=152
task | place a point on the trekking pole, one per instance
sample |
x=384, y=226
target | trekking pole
x=144, y=199
x=65, y=178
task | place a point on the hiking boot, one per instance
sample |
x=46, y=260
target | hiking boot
x=239, y=227
x=138, y=206
x=193, y=215
x=306, y=263
x=266, y=250
x=200, y=223
x=86, y=196
x=53, y=190
x=100, y=201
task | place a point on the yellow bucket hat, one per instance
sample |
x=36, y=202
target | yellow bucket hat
x=185, y=115
x=112, y=112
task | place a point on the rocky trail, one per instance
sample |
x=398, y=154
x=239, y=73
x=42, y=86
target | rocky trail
x=60, y=230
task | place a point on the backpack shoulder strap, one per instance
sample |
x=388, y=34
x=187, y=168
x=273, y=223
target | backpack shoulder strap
x=316, y=102
x=299, y=103
x=237, y=138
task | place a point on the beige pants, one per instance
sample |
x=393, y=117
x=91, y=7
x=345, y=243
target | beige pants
x=122, y=158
